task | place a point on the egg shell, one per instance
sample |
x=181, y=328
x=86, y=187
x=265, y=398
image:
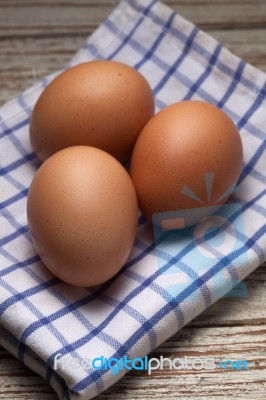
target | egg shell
x=104, y=104
x=176, y=148
x=82, y=215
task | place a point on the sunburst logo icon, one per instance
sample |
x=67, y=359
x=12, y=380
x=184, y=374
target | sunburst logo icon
x=180, y=219
x=209, y=178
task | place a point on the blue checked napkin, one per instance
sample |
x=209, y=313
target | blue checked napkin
x=133, y=313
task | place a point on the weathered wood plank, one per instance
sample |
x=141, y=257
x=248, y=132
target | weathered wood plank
x=40, y=37
x=38, y=18
x=249, y=45
x=22, y=63
x=19, y=382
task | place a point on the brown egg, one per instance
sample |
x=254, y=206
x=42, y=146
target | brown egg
x=82, y=215
x=104, y=104
x=187, y=147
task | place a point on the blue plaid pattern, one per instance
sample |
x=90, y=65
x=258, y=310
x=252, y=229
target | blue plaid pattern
x=132, y=313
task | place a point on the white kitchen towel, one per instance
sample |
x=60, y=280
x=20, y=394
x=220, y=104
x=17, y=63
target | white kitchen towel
x=42, y=318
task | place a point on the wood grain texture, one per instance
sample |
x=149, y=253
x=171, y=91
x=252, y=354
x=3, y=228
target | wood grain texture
x=38, y=37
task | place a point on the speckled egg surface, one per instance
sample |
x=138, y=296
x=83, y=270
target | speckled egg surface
x=82, y=215
x=176, y=148
x=104, y=104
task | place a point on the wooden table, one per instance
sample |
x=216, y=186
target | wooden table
x=38, y=37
